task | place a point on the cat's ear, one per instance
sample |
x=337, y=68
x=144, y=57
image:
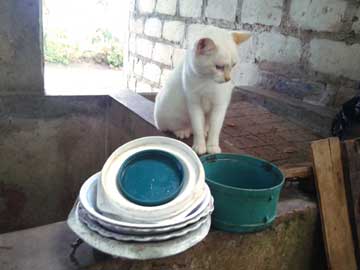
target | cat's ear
x=205, y=46
x=240, y=37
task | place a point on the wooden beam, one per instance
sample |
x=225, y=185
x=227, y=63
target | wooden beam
x=351, y=156
x=339, y=245
x=298, y=172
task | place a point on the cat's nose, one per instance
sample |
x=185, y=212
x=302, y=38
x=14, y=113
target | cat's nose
x=227, y=78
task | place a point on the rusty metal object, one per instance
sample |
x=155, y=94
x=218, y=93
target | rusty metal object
x=75, y=245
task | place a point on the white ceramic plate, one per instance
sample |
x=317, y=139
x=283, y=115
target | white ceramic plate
x=157, y=230
x=110, y=200
x=87, y=198
x=92, y=225
x=133, y=250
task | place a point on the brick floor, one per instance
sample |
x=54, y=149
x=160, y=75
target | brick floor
x=251, y=129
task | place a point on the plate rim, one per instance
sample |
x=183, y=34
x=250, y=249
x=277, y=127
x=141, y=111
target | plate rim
x=128, y=250
x=141, y=238
x=115, y=203
x=83, y=198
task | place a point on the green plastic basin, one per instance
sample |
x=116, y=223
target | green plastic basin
x=245, y=189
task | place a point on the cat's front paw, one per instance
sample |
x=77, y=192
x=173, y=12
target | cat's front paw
x=213, y=149
x=183, y=133
x=200, y=149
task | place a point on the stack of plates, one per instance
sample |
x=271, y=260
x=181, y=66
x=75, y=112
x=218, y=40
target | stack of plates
x=109, y=226
x=150, y=190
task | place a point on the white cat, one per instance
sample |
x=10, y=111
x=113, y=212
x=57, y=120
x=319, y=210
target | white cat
x=197, y=93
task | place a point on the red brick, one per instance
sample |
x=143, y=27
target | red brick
x=248, y=141
x=269, y=138
x=235, y=129
x=285, y=126
x=267, y=118
x=298, y=135
x=228, y=147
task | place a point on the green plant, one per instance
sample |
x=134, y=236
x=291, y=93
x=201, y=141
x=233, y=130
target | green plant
x=115, y=57
x=103, y=48
x=110, y=52
x=56, y=50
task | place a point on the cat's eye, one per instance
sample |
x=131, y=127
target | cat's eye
x=234, y=64
x=219, y=67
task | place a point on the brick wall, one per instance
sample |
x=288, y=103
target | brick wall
x=307, y=49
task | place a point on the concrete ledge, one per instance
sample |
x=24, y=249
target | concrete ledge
x=52, y=144
x=45, y=107
x=293, y=242
x=137, y=104
x=42, y=248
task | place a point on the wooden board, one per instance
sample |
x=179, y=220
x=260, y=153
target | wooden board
x=297, y=172
x=351, y=157
x=339, y=245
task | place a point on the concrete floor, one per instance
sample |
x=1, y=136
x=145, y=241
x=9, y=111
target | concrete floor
x=82, y=79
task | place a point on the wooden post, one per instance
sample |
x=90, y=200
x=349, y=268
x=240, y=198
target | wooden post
x=339, y=245
x=351, y=156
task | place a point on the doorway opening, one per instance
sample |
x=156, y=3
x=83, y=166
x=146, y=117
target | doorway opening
x=84, y=43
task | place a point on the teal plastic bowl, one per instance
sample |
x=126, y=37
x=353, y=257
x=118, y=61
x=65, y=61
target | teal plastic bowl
x=245, y=189
x=150, y=177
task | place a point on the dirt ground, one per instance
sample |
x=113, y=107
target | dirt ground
x=82, y=79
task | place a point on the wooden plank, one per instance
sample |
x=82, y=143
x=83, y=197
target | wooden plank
x=339, y=245
x=351, y=156
x=297, y=172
